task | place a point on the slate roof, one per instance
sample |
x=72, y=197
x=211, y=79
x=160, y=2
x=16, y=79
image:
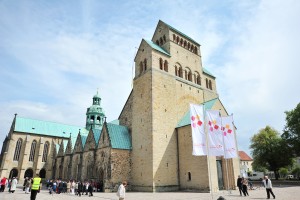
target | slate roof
x=119, y=136
x=185, y=120
x=244, y=156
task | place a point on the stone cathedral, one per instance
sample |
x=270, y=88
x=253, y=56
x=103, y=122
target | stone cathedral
x=149, y=145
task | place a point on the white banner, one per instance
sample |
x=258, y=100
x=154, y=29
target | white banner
x=198, y=133
x=214, y=133
x=229, y=137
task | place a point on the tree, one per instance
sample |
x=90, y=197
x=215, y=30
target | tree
x=283, y=172
x=270, y=151
x=296, y=172
x=291, y=132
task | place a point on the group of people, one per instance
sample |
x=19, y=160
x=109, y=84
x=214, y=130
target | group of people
x=71, y=187
x=243, y=183
x=11, y=184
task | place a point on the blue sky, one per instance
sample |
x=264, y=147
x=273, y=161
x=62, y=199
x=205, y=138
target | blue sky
x=55, y=54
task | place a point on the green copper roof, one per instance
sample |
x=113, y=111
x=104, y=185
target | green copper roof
x=186, y=118
x=116, y=121
x=207, y=72
x=177, y=31
x=156, y=47
x=97, y=133
x=119, y=136
x=83, y=140
x=39, y=127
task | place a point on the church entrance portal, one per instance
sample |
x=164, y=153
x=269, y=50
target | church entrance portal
x=13, y=173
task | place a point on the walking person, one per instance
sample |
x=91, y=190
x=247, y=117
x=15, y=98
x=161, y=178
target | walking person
x=239, y=184
x=13, y=185
x=245, y=186
x=90, y=189
x=27, y=186
x=3, y=183
x=35, y=187
x=121, y=191
x=268, y=185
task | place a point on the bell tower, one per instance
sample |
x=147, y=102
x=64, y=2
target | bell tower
x=95, y=114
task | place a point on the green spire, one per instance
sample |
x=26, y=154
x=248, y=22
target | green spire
x=95, y=114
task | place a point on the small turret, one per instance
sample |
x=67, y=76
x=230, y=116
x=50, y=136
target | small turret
x=95, y=114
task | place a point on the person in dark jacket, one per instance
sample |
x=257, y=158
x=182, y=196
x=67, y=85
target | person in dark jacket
x=239, y=184
x=80, y=187
x=90, y=189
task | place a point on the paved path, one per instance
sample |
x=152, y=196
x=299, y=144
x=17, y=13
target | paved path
x=283, y=193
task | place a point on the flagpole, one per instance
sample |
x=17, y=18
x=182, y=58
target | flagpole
x=207, y=148
x=225, y=157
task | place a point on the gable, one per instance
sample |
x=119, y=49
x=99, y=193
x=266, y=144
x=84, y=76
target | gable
x=62, y=148
x=119, y=136
x=90, y=141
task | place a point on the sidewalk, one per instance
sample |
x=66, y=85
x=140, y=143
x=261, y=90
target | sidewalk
x=283, y=193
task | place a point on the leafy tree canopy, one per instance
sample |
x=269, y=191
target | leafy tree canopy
x=270, y=151
x=291, y=132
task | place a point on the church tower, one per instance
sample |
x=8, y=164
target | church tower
x=95, y=114
x=168, y=77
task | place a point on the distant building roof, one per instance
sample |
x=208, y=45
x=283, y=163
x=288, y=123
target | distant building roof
x=119, y=136
x=244, y=156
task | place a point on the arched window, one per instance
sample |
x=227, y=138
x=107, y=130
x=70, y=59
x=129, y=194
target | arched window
x=180, y=72
x=18, y=149
x=161, y=63
x=209, y=84
x=190, y=76
x=177, y=39
x=176, y=72
x=166, y=66
x=45, y=152
x=184, y=44
x=174, y=37
x=161, y=41
x=164, y=38
x=192, y=48
x=181, y=42
x=185, y=75
x=206, y=83
x=32, y=151
x=195, y=50
x=145, y=64
x=198, y=80
x=141, y=67
x=188, y=46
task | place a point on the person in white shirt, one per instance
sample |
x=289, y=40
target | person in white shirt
x=122, y=190
x=268, y=185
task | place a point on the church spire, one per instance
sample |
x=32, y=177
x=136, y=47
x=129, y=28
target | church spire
x=95, y=114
